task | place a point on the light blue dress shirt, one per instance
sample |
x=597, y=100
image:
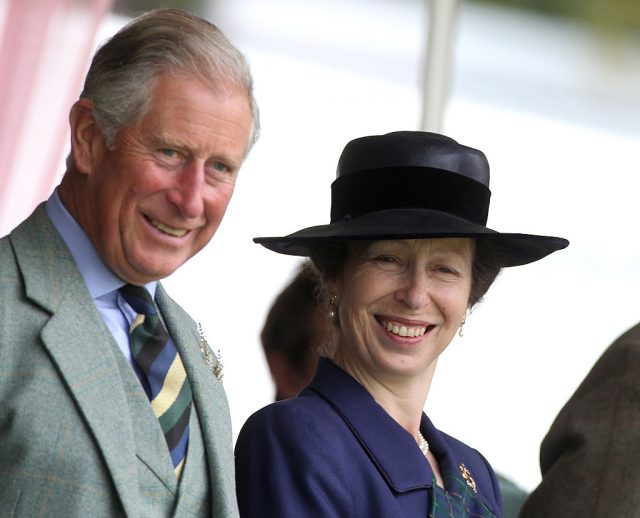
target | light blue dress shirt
x=102, y=283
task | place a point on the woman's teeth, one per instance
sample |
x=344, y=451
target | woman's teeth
x=401, y=330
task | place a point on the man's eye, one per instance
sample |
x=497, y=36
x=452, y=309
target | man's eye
x=169, y=153
x=219, y=166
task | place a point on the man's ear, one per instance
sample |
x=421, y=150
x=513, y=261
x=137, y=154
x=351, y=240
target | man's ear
x=86, y=137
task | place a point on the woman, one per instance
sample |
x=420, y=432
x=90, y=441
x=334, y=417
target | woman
x=406, y=254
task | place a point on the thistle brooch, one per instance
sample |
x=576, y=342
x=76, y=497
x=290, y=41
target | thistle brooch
x=214, y=365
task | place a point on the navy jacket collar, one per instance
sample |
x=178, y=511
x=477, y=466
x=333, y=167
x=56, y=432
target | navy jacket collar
x=403, y=465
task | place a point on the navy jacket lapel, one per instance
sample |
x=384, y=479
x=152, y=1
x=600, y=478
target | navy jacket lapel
x=403, y=466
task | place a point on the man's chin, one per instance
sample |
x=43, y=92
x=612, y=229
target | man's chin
x=144, y=272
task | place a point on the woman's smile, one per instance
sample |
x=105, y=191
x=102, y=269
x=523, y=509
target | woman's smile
x=401, y=328
x=400, y=304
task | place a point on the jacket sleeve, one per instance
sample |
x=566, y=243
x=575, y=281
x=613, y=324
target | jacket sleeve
x=287, y=467
x=589, y=457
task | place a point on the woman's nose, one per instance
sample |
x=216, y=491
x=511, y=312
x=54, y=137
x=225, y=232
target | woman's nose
x=414, y=291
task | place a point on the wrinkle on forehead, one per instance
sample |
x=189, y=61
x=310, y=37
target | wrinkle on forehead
x=199, y=122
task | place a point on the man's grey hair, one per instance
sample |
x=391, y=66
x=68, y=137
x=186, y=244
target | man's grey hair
x=123, y=71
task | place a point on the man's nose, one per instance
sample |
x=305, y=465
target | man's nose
x=187, y=194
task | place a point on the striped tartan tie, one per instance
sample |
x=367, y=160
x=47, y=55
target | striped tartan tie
x=161, y=372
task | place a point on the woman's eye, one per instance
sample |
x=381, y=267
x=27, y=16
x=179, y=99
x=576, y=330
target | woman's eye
x=386, y=259
x=446, y=270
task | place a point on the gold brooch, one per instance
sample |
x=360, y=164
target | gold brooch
x=214, y=366
x=466, y=475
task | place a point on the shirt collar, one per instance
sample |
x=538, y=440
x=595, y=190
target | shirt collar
x=100, y=280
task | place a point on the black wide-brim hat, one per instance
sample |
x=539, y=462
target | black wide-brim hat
x=412, y=185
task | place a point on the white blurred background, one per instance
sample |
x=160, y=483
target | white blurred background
x=552, y=101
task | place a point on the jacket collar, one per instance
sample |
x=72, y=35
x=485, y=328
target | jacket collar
x=403, y=465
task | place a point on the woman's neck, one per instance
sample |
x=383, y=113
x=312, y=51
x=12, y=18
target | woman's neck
x=402, y=396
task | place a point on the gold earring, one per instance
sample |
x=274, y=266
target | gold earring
x=461, y=329
x=332, y=302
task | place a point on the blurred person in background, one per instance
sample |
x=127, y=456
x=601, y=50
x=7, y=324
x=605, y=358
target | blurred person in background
x=589, y=458
x=108, y=406
x=292, y=333
x=406, y=255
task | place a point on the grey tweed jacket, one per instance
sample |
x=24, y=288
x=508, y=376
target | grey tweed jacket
x=66, y=446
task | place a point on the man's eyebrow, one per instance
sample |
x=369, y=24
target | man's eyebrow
x=163, y=139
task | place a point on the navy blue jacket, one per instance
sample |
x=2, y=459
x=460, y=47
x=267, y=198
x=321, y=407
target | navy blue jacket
x=334, y=452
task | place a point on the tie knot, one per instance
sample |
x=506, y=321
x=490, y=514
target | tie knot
x=139, y=299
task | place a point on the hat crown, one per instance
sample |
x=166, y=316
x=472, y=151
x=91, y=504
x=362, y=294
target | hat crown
x=403, y=149
x=411, y=170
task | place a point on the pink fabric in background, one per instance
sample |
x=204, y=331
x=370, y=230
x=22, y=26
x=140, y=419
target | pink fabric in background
x=45, y=48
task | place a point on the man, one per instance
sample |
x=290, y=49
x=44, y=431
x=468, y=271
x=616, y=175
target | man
x=589, y=458
x=107, y=405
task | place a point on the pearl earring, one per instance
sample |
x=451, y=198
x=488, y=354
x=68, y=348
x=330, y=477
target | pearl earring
x=332, y=302
x=461, y=329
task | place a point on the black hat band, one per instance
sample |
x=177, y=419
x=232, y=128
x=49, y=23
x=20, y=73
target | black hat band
x=362, y=192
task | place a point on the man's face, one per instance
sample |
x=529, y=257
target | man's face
x=157, y=198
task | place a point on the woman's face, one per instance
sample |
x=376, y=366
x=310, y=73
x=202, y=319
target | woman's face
x=400, y=304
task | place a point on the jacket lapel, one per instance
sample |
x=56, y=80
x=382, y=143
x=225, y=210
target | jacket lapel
x=211, y=404
x=403, y=466
x=150, y=444
x=78, y=342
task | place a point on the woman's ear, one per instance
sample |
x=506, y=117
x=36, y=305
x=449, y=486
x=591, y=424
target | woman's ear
x=85, y=135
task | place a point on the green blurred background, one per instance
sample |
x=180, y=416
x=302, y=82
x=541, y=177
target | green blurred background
x=605, y=15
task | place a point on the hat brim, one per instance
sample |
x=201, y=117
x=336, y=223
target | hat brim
x=413, y=224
